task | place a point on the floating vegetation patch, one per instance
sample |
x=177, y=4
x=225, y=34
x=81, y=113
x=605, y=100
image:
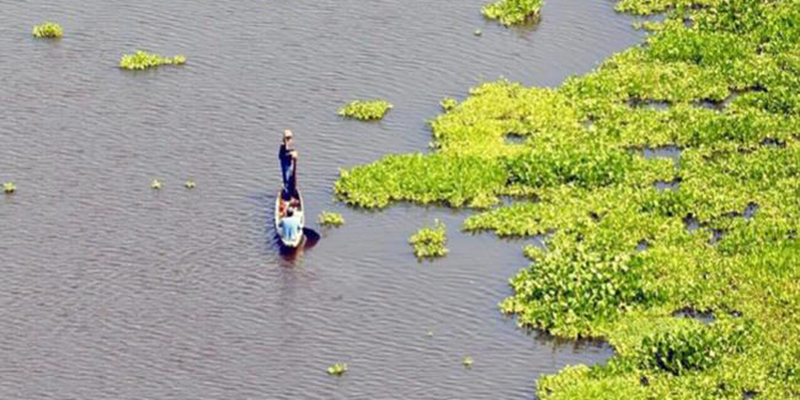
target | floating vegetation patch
x=142, y=60
x=448, y=104
x=156, y=184
x=583, y=184
x=684, y=350
x=9, y=187
x=429, y=242
x=338, y=369
x=468, y=362
x=190, y=185
x=50, y=30
x=330, y=219
x=365, y=109
x=510, y=12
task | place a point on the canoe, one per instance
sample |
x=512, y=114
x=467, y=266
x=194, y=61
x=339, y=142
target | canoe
x=289, y=242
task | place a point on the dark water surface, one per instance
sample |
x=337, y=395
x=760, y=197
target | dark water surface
x=111, y=290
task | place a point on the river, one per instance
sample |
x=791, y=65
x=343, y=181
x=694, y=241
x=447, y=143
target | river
x=110, y=289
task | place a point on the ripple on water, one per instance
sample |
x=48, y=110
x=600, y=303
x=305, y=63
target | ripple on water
x=113, y=290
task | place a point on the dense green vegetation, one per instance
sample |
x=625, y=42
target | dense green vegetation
x=48, y=30
x=143, y=60
x=510, y=12
x=429, y=242
x=619, y=259
x=330, y=219
x=365, y=109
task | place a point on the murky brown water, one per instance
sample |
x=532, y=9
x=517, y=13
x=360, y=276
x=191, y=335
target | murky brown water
x=109, y=289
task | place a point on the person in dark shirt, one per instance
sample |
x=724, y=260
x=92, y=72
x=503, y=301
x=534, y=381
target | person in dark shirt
x=288, y=158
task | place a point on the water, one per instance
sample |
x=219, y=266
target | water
x=113, y=290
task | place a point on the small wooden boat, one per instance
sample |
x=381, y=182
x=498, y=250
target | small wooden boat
x=298, y=210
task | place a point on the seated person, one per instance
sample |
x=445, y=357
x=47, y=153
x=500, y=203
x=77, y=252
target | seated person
x=290, y=224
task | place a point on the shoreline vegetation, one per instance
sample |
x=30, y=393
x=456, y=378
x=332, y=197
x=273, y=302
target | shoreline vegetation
x=49, y=30
x=625, y=258
x=142, y=60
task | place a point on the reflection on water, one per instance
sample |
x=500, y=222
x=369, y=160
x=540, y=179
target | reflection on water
x=290, y=254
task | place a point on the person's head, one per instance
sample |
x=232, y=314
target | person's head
x=287, y=137
x=290, y=212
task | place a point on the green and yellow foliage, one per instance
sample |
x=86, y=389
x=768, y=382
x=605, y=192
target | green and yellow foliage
x=48, y=30
x=338, y=369
x=9, y=187
x=365, y=109
x=429, y=242
x=510, y=12
x=579, y=177
x=143, y=60
x=330, y=219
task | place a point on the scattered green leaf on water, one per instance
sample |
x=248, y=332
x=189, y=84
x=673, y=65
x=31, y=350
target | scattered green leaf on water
x=190, y=185
x=9, y=187
x=330, y=219
x=477, y=32
x=429, y=242
x=365, y=109
x=511, y=12
x=448, y=103
x=468, y=362
x=143, y=60
x=156, y=184
x=48, y=30
x=338, y=369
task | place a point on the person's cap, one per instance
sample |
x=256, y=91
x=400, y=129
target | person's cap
x=287, y=134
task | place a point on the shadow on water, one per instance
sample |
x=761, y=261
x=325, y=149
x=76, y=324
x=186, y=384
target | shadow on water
x=289, y=254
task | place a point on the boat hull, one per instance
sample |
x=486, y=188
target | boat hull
x=286, y=241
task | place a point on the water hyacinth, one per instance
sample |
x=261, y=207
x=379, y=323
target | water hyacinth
x=510, y=12
x=579, y=178
x=365, y=109
x=9, y=187
x=429, y=242
x=48, y=30
x=330, y=219
x=142, y=60
x=338, y=369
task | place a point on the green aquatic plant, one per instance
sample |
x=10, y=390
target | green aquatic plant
x=448, y=103
x=48, y=30
x=156, y=184
x=468, y=362
x=330, y=219
x=429, y=242
x=190, y=185
x=723, y=91
x=511, y=12
x=365, y=109
x=143, y=60
x=9, y=187
x=694, y=348
x=338, y=369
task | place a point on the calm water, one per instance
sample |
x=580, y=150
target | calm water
x=109, y=289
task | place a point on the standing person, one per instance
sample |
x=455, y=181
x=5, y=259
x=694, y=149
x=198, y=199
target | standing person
x=288, y=158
